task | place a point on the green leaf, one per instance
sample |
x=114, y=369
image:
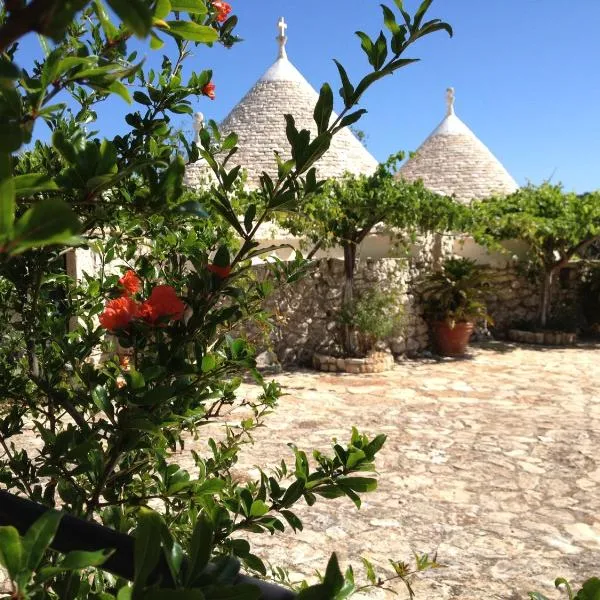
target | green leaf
x=200, y=550
x=421, y=13
x=562, y=581
x=370, y=571
x=323, y=108
x=590, y=590
x=109, y=29
x=366, y=44
x=380, y=52
x=73, y=561
x=49, y=221
x=209, y=487
x=347, y=90
x=135, y=14
x=7, y=197
x=162, y=9
x=142, y=98
x=192, y=207
x=190, y=6
x=32, y=183
x=358, y=484
x=11, y=551
x=8, y=70
x=254, y=562
x=351, y=118
x=193, y=32
x=100, y=399
x=249, y=217
x=209, y=363
x=389, y=19
x=258, y=509
x=147, y=545
x=293, y=520
x=333, y=574
x=38, y=538
x=136, y=379
x=116, y=87
x=222, y=257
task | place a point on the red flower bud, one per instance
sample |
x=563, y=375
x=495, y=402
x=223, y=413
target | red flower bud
x=209, y=90
x=163, y=302
x=131, y=283
x=221, y=272
x=223, y=9
x=118, y=313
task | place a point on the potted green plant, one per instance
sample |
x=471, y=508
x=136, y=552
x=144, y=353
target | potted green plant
x=453, y=302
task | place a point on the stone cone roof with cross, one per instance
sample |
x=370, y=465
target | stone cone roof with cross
x=259, y=121
x=453, y=161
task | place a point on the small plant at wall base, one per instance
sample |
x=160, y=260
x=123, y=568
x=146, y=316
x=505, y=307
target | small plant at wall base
x=557, y=226
x=453, y=302
x=373, y=317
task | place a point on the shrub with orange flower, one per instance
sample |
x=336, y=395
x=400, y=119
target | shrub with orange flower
x=223, y=9
x=131, y=283
x=163, y=303
x=209, y=90
x=119, y=313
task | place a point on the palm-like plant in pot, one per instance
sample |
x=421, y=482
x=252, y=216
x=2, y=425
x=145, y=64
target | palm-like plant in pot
x=453, y=302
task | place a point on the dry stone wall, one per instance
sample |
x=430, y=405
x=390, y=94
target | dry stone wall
x=306, y=312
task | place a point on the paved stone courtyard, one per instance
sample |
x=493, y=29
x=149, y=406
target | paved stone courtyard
x=492, y=462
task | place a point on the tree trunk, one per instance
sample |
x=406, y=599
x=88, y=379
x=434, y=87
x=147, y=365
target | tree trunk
x=348, y=296
x=546, y=293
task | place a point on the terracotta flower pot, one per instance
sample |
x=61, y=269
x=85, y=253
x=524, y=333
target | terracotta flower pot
x=451, y=341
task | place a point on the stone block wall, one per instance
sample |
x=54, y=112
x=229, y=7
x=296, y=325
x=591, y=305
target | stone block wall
x=306, y=312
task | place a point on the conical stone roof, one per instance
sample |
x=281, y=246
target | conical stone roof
x=453, y=161
x=259, y=122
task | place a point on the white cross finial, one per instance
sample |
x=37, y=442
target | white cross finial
x=450, y=97
x=198, y=126
x=282, y=38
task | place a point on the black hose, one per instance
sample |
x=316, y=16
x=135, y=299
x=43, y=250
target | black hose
x=77, y=534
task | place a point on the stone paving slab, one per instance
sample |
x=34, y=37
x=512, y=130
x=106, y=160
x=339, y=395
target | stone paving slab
x=492, y=462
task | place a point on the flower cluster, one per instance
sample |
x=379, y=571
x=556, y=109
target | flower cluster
x=162, y=304
x=223, y=9
x=209, y=90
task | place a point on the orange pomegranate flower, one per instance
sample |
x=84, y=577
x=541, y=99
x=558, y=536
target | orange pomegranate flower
x=221, y=272
x=119, y=313
x=163, y=302
x=131, y=283
x=223, y=9
x=209, y=90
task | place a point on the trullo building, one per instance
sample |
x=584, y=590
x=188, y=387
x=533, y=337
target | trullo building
x=453, y=161
x=258, y=119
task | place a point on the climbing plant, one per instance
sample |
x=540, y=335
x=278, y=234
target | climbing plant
x=347, y=210
x=116, y=372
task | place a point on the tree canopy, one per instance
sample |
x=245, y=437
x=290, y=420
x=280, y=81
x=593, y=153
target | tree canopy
x=557, y=226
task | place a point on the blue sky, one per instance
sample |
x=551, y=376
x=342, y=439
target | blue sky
x=526, y=73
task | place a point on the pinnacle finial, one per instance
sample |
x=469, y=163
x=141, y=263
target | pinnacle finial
x=450, y=98
x=282, y=38
x=198, y=126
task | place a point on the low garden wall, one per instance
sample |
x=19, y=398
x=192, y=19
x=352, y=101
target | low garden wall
x=306, y=312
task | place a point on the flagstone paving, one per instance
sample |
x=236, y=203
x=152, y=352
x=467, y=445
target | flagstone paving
x=492, y=462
